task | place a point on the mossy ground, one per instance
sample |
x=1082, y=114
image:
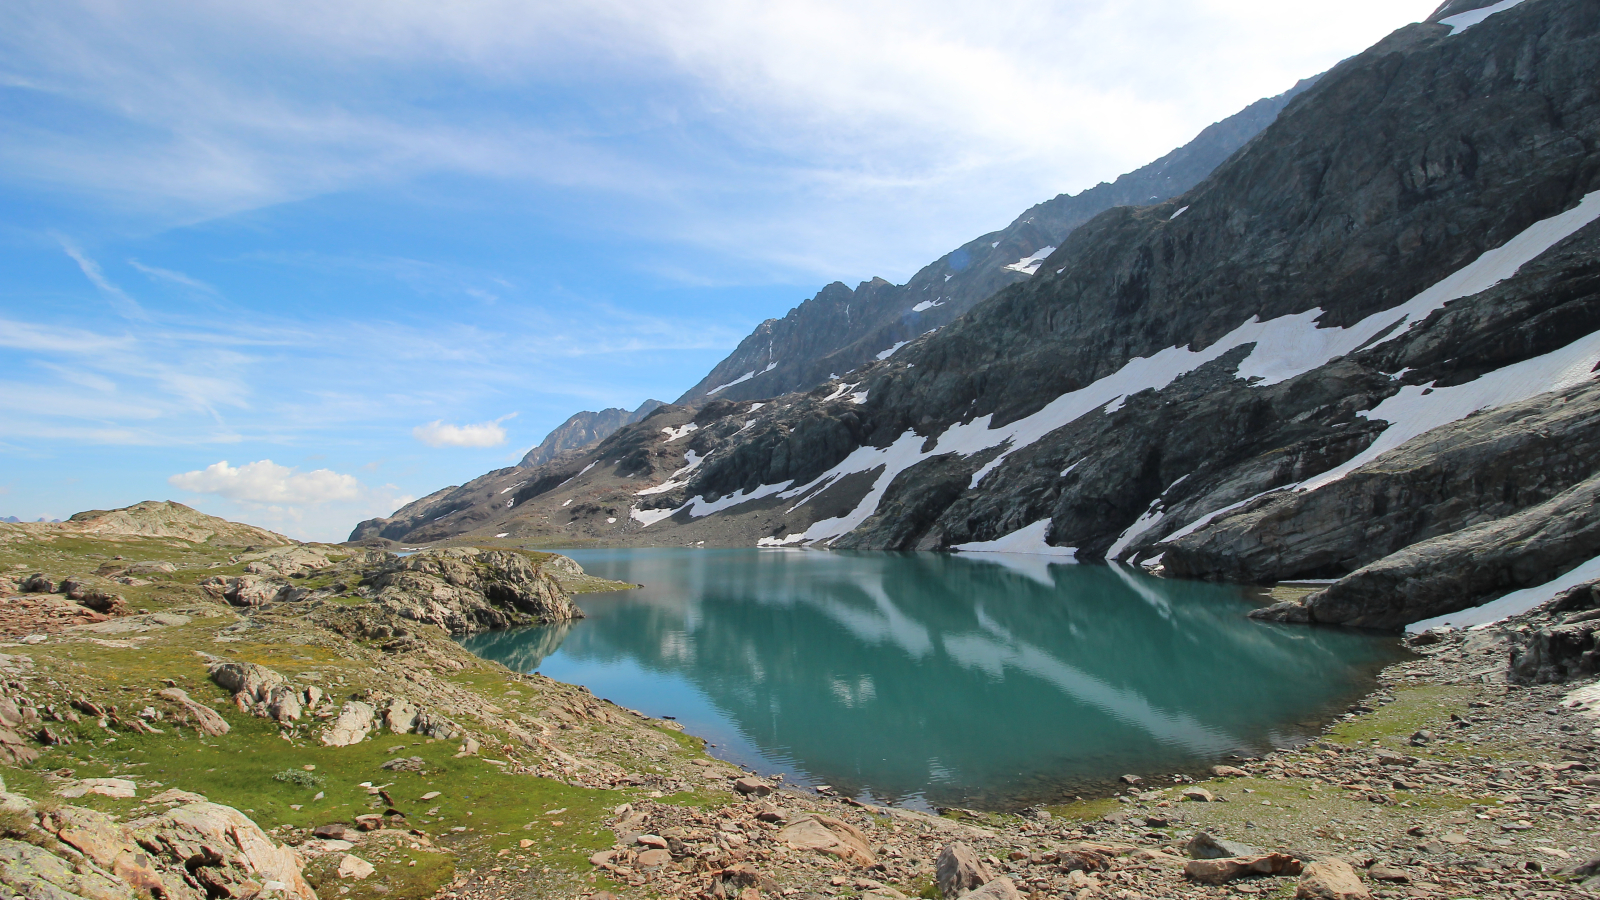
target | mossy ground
x=486, y=819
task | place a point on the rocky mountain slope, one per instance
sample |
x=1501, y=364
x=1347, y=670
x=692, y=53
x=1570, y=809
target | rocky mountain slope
x=152, y=518
x=583, y=430
x=1363, y=346
x=840, y=329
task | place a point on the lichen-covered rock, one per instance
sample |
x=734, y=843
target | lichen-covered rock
x=249, y=590
x=225, y=853
x=354, y=723
x=288, y=562
x=466, y=590
x=37, y=874
x=205, y=719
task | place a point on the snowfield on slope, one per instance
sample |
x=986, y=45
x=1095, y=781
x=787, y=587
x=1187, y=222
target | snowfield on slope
x=1283, y=348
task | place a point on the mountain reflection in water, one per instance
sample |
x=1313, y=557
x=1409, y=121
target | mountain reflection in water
x=991, y=680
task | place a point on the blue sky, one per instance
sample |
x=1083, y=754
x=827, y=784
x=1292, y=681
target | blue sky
x=295, y=263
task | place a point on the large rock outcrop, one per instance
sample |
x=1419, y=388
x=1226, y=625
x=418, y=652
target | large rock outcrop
x=466, y=590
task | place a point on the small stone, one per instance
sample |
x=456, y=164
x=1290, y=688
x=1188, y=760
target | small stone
x=431, y=795
x=1131, y=779
x=1199, y=795
x=653, y=859
x=1228, y=772
x=1423, y=738
x=654, y=841
x=355, y=867
x=753, y=786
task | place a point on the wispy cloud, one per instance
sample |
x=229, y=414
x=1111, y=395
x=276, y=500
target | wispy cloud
x=124, y=304
x=156, y=273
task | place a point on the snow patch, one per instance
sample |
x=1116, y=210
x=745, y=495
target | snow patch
x=1030, y=264
x=1462, y=22
x=1515, y=603
x=513, y=487
x=566, y=502
x=740, y=380
x=859, y=397
x=1029, y=539
x=1177, y=214
x=1284, y=347
x=840, y=391
x=692, y=461
x=885, y=354
x=503, y=534
x=926, y=305
x=674, y=434
x=648, y=517
x=611, y=520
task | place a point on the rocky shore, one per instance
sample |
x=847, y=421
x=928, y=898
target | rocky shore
x=296, y=721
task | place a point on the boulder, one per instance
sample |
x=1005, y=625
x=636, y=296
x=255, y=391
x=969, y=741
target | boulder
x=959, y=871
x=205, y=719
x=1229, y=772
x=1199, y=795
x=1082, y=861
x=38, y=583
x=225, y=853
x=1204, y=846
x=1222, y=871
x=245, y=681
x=825, y=834
x=400, y=715
x=1330, y=879
x=288, y=562
x=354, y=723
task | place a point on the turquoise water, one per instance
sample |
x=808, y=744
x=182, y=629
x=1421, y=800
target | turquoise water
x=992, y=680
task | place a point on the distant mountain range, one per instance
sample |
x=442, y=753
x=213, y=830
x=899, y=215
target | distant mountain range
x=1361, y=349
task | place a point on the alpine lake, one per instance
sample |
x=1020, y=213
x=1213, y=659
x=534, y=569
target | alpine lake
x=995, y=681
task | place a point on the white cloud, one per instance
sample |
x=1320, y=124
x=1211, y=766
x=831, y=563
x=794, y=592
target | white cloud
x=266, y=483
x=824, y=136
x=439, y=434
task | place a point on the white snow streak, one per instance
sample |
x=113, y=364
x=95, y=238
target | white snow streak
x=740, y=380
x=1030, y=264
x=1466, y=20
x=648, y=517
x=1284, y=347
x=1515, y=603
x=885, y=354
x=674, y=434
x=692, y=461
x=1030, y=539
x=926, y=305
x=1177, y=214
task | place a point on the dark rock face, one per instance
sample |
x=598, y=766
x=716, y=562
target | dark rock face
x=1566, y=649
x=841, y=329
x=583, y=430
